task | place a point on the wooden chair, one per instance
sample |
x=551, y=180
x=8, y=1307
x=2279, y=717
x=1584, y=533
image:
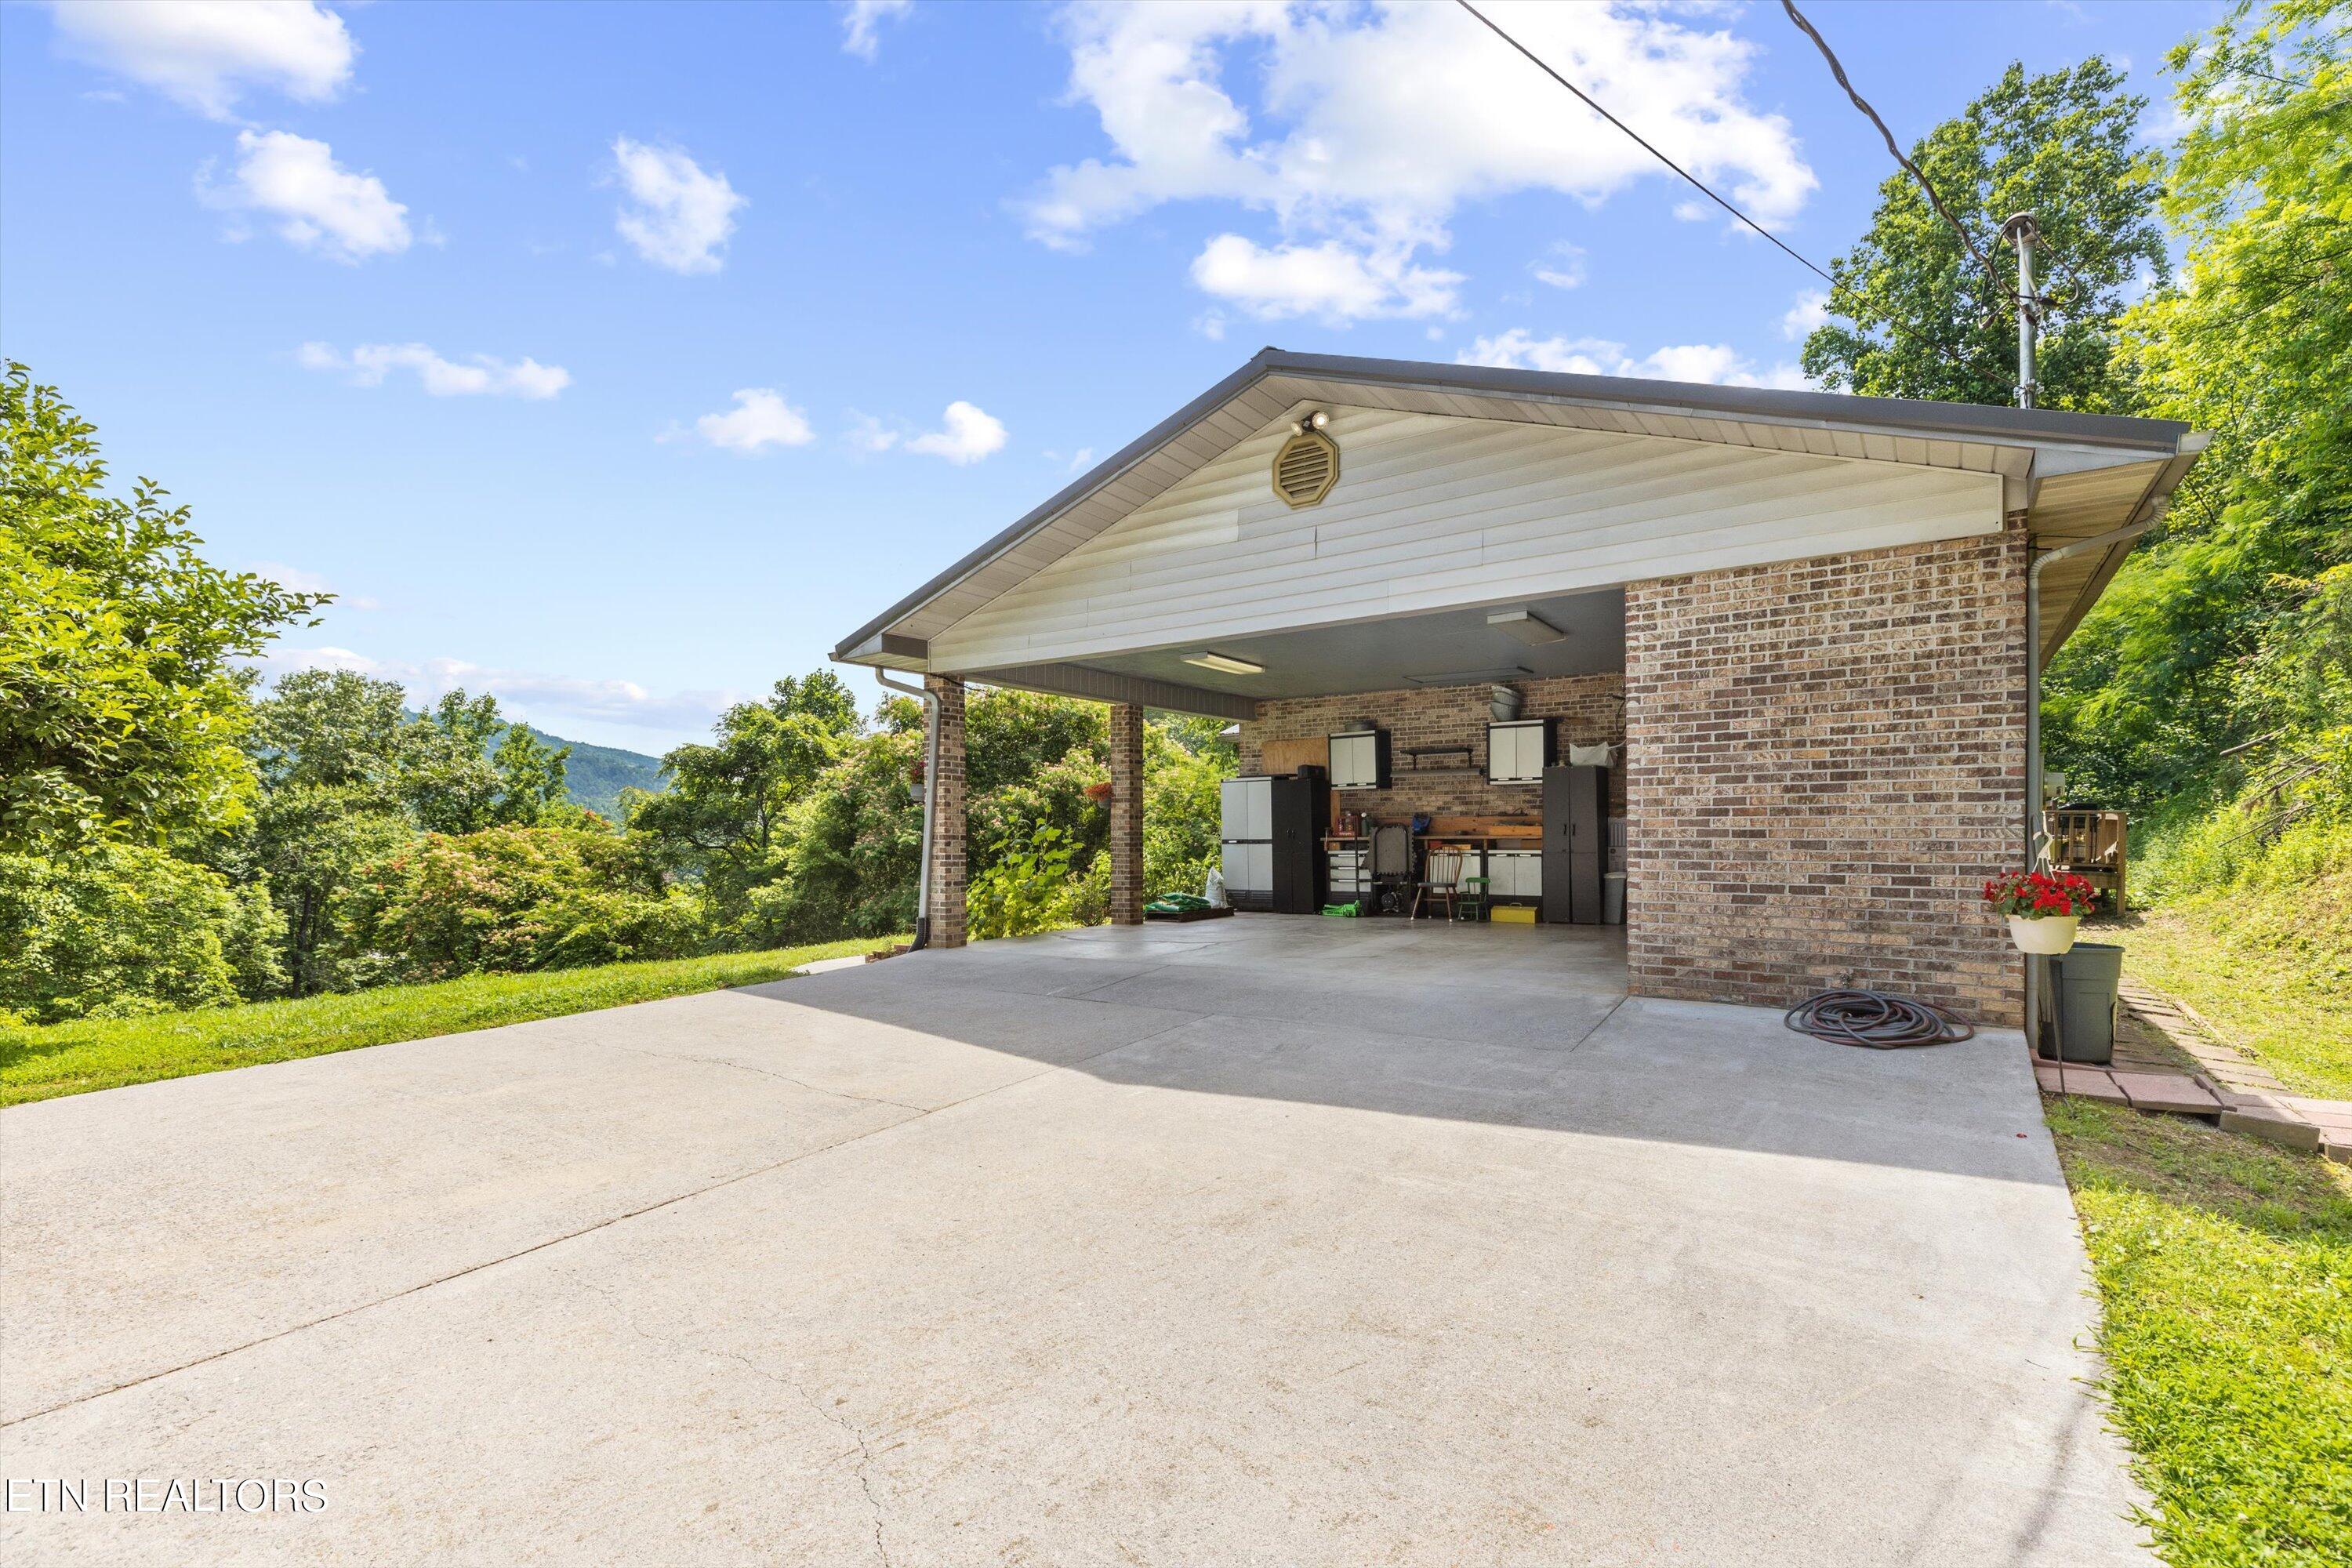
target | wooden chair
x=1441, y=880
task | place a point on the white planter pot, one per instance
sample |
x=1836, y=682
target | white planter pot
x=2048, y=934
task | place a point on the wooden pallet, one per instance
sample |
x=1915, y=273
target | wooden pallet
x=1185, y=917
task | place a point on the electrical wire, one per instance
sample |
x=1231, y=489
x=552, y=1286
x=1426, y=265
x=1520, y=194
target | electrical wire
x=1877, y=1019
x=1706, y=190
x=1837, y=69
x=1836, y=287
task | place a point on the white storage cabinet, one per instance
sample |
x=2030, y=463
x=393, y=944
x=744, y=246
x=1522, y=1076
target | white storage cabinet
x=1517, y=752
x=1360, y=759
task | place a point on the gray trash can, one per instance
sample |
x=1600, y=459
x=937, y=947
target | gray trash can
x=2088, y=976
x=1612, y=897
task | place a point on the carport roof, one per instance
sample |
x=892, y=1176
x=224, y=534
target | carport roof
x=2072, y=475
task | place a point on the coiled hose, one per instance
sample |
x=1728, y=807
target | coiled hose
x=1878, y=1019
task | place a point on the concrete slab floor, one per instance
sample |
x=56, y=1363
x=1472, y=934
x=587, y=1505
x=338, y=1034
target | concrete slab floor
x=1254, y=1241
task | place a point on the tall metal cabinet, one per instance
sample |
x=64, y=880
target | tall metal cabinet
x=1575, y=843
x=1273, y=832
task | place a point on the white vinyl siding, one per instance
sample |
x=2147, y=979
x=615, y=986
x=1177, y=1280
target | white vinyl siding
x=1433, y=512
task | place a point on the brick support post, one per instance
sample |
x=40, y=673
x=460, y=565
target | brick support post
x=1126, y=814
x=945, y=794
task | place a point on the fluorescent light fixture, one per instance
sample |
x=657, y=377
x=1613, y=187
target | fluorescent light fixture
x=1526, y=625
x=1224, y=664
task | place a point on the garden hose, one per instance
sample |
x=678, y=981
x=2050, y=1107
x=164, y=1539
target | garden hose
x=1878, y=1019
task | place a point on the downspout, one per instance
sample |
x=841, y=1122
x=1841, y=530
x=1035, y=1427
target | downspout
x=931, y=801
x=2035, y=838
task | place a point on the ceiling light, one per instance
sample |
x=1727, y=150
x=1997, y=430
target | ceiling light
x=1526, y=625
x=1224, y=664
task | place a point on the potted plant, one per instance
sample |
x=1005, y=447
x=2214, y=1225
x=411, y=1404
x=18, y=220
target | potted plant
x=1099, y=791
x=2044, y=908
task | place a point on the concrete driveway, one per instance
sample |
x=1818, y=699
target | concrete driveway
x=1268, y=1240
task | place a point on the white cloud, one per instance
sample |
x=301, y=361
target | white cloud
x=528, y=694
x=679, y=214
x=1714, y=363
x=1371, y=125
x=1329, y=281
x=1811, y=308
x=203, y=54
x=870, y=435
x=861, y=23
x=1565, y=270
x=319, y=204
x=760, y=418
x=478, y=375
x=968, y=435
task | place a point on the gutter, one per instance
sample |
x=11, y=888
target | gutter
x=931, y=802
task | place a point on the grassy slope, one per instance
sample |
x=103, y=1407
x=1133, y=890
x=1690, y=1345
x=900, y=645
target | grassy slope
x=72, y=1059
x=2225, y=1267
x=2271, y=968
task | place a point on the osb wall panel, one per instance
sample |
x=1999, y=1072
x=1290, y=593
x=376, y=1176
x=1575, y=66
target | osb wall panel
x=1827, y=759
x=1591, y=710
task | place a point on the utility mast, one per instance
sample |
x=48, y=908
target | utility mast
x=2026, y=233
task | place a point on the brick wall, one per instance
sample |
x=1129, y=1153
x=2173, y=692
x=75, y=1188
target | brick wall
x=1590, y=708
x=948, y=818
x=1827, y=759
x=1126, y=814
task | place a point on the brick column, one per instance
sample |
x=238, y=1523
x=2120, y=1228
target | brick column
x=1126, y=814
x=945, y=790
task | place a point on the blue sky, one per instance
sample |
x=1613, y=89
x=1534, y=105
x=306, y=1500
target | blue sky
x=618, y=359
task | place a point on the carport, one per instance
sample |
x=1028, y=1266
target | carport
x=1807, y=624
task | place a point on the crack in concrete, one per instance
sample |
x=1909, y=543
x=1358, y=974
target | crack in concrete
x=864, y=1457
x=864, y=1452
x=780, y=1077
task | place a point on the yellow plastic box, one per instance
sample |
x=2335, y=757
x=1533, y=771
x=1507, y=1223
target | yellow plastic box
x=1512, y=914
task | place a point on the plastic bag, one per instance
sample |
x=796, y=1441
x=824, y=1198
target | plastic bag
x=1215, y=889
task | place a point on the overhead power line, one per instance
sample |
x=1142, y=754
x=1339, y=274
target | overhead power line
x=1639, y=140
x=1837, y=69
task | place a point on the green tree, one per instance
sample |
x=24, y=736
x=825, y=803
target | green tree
x=509, y=898
x=531, y=787
x=856, y=840
x=340, y=760
x=1915, y=314
x=122, y=704
x=119, y=929
x=723, y=819
x=2217, y=628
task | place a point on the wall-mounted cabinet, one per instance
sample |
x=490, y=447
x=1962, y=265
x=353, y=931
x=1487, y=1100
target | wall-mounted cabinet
x=1519, y=752
x=1360, y=759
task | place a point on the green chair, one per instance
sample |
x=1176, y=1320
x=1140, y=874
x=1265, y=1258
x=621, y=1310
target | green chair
x=1470, y=903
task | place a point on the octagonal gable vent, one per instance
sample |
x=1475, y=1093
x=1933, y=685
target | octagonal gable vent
x=1307, y=466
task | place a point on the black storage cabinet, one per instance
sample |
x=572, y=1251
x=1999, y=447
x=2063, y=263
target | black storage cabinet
x=1302, y=817
x=1575, y=843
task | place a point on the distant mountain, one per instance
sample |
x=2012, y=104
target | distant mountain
x=597, y=774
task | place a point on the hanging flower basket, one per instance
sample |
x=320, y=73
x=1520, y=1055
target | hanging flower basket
x=1098, y=791
x=2044, y=909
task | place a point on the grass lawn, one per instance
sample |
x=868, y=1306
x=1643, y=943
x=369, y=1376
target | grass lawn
x=40, y=1063
x=2296, y=1020
x=2225, y=1268
x=2287, y=1001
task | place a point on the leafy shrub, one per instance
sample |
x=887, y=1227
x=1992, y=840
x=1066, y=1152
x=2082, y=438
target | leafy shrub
x=512, y=899
x=120, y=929
x=1029, y=888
